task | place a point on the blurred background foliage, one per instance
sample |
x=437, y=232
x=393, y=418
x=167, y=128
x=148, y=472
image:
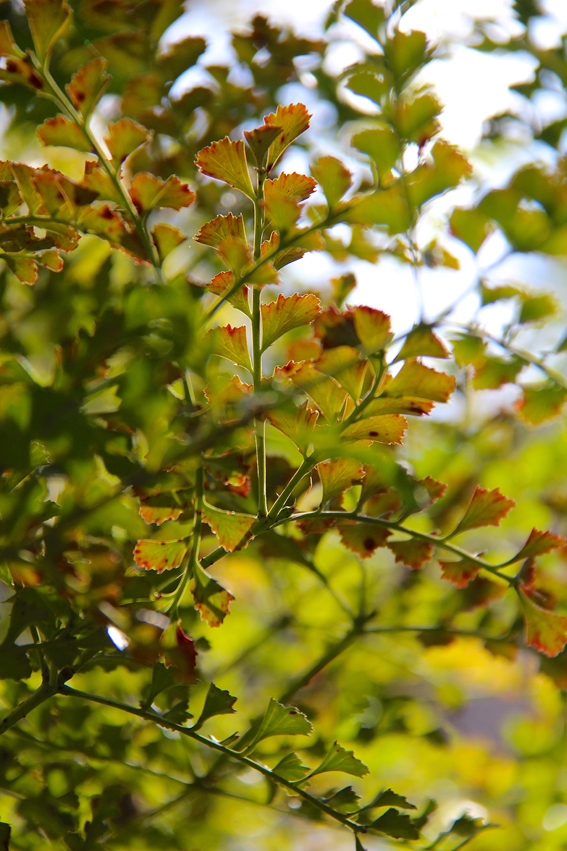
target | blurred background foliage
x=93, y=393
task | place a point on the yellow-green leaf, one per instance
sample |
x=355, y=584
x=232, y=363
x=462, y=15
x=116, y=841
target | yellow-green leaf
x=226, y=161
x=388, y=428
x=48, y=20
x=159, y=555
x=231, y=529
x=338, y=758
x=281, y=720
x=422, y=342
x=61, y=131
x=149, y=192
x=337, y=475
x=285, y=313
x=88, y=85
x=231, y=343
x=124, y=136
x=363, y=538
x=415, y=379
x=167, y=238
x=334, y=179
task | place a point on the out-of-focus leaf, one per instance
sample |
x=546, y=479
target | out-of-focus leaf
x=413, y=553
x=212, y=601
x=363, y=538
x=545, y=630
x=539, y=543
x=337, y=475
x=88, y=85
x=422, y=342
x=48, y=20
x=149, y=192
x=124, y=136
x=334, y=179
x=61, y=131
x=388, y=428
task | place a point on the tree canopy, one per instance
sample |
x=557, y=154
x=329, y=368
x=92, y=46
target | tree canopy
x=275, y=574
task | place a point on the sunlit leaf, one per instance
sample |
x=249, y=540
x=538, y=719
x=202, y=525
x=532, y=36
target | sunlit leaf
x=167, y=238
x=339, y=759
x=294, y=120
x=539, y=543
x=231, y=343
x=416, y=379
x=422, y=342
x=281, y=720
x=382, y=145
x=149, y=192
x=286, y=313
x=61, y=131
x=222, y=227
x=260, y=139
x=337, y=475
x=346, y=366
x=389, y=428
x=459, y=572
x=124, y=137
x=88, y=85
x=291, y=768
x=226, y=161
x=545, y=630
x=297, y=424
x=222, y=283
x=160, y=555
x=8, y=46
x=367, y=15
x=373, y=328
x=541, y=403
x=334, y=179
x=230, y=528
x=486, y=508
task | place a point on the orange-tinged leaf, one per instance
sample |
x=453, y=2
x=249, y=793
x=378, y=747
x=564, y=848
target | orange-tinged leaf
x=231, y=343
x=336, y=328
x=334, y=179
x=61, y=131
x=545, y=630
x=326, y=393
x=226, y=161
x=88, y=85
x=541, y=403
x=294, y=120
x=363, y=538
x=298, y=424
x=178, y=649
x=159, y=555
x=24, y=268
x=459, y=572
x=51, y=259
x=23, y=72
x=415, y=379
x=97, y=179
x=486, y=508
x=539, y=543
x=409, y=405
x=212, y=601
x=422, y=342
x=48, y=20
x=283, y=196
x=149, y=192
x=345, y=365
x=337, y=475
x=373, y=328
x=124, y=136
x=220, y=285
x=286, y=313
x=413, y=553
x=222, y=227
x=389, y=428
x=231, y=529
x=167, y=238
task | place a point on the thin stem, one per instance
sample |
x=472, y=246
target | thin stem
x=260, y=423
x=363, y=404
x=43, y=693
x=306, y=465
x=217, y=746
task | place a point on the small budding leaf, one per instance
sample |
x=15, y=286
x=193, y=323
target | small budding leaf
x=539, y=543
x=149, y=192
x=226, y=161
x=287, y=313
x=337, y=475
x=232, y=529
x=88, y=85
x=294, y=120
x=217, y=702
x=389, y=429
x=281, y=720
x=335, y=180
x=415, y=379
x=62, y=132
x=363, y=538
x=212, y=601
x=159, y=555
x=422, y=342
x=339, y=759
x=124, y=136
x=48, y=20
x=291, y=768
x=213, y=233
x=413, y=553
x=231, y=343
x=545, y=630
x=486, y=508
x=459, y=572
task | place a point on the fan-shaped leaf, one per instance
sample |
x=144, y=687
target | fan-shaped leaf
x=294, y=120
x=231, y=343
x=88, y=85
x=61, y=131
x=363, y=538
x=230, y=528
x=281, y=720
x=334, y=179
x=222, y=227
x=48, y=20
x=291, y=768
x=539, y=543
x=124, y=136
x=149, y=192
x=339, y=759
x=160, y=555
x=413, y=553
x=212, y=601
x=337, y=475
x=167, y=238
x=486, y=508
x=459, y=572
x=545, y=630
x=422, y=342
x=226, y=161
x=415, y=379
x=217, y=702
x=389, y=428
x=286, y=313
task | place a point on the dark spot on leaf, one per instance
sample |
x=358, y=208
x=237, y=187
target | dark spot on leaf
x=373, y=433
x=107, y=213
x=80, y=96
x=369, y=543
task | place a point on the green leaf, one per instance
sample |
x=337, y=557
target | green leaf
x=14, y=664
x=124, y=137
x=281, y=720
x=291, y=768
x=344, y=801
x=297, y=423
x=537, y=307
x=472, y=227
x=231, y=343
x=422, y=342
x=339, y=759
x=217, y=702
x=160, y=555
x=446, y=171
x=48, y=20
x=415, y=379
x=62, y=132
x=396, y=824
x=334, y=179
x=486, y=508
x=413, y=553
x=226, y=161
x=388, y=798
x=493, y=372
x=231, y=529
x=406, y=52
x=541, y=402
x=373, y=328
x=286, y=313
x=337, y=475
x=382, y=145
x=366, y=14
x=149, y=192
x=88, y=85
x=8, y=46
x=212, y=601
x=167, y=238
x=386, y=207
x=162, y=679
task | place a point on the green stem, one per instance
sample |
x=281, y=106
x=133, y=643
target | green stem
x=65, y=104
x=193, y=558
x=217, y=746
x=43, y=693
x=257, y=353
x=306, y=465
x=363, y=404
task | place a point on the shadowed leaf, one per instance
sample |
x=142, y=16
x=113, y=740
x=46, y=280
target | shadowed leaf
x=124, y=136
x=48, y=20
x=230, y=528
x=159, y=555
x=413, y=553
x=217, y=702
x=149, y=192
x=363, y=538
x=61, y=131
x=212, y=601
